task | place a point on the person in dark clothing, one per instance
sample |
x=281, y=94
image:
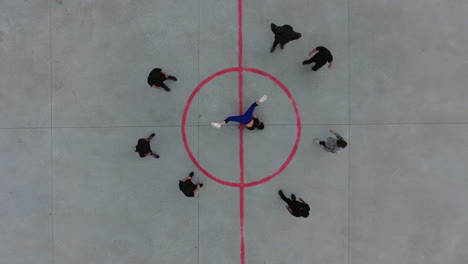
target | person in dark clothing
x=283, y=35
x=187, y=187
x=296, y=208
x=143, y=147
x=157, y=77
x=321, y=58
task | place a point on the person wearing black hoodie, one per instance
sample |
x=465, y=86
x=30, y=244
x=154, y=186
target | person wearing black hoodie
x=187, y=187
x=295, y=208
x=157, y=77
x=143, y=147
x=320, y=58
x=283, y=35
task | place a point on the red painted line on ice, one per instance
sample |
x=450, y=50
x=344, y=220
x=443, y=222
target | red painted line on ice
x=240, y=93
x=241, y=129
x=242, y=235
x=241, y=135
x=239, y=38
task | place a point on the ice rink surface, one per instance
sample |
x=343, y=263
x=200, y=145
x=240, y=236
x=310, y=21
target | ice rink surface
x=74, y=101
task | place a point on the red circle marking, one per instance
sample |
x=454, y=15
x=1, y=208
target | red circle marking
x=298, y=124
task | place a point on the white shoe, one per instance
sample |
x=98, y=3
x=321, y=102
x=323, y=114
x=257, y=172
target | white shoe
x=215, y=125
x=263, y=99
x=317, y=141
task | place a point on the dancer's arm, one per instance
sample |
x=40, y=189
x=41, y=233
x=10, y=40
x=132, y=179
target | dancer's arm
x=300, y=199
x=336, y=134
x=165, y=74
x=186, y=178
x=196, y=190
x=330, y=61
x=312, y=52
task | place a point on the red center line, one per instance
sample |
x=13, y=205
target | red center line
x=239, y=16
x=241, y=135
x=241, y=206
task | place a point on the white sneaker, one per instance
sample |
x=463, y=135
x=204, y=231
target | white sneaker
x=317, y=141
x=263, y=99
x=215, y=125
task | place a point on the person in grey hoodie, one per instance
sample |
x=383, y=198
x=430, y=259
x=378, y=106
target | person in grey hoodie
x=332, y=145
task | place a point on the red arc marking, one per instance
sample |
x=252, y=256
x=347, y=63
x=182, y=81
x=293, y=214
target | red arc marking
x=240, y=184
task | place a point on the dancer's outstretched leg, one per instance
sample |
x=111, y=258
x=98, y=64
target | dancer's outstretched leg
x=243, y=119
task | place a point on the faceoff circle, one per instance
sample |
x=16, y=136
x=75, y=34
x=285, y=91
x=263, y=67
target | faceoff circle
x=293, y=150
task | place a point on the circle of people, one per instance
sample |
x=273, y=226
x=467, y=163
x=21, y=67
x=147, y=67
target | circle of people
x=283, y=34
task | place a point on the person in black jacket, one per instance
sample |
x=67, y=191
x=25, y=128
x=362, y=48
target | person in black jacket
x=157, y=77
x=187, y=187
x=283, y=35
x=321, y=58
x=296, y=208
x=143, y=147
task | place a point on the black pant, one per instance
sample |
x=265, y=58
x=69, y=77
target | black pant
x=279, y=41
x=316, y=66
x=165, y=87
